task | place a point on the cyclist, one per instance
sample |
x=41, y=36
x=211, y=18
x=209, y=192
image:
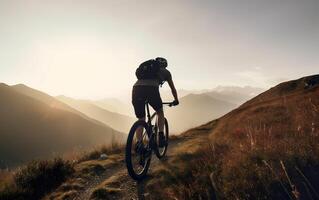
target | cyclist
x=147, y=89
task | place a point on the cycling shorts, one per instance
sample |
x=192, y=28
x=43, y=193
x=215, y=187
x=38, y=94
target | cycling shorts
x=142, y=93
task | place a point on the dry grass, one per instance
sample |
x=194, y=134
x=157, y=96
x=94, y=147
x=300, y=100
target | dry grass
x=6, y=177
x=104, y=193
x=114, y=148
x=267, y=150
x=88, y=166
x=33, y=181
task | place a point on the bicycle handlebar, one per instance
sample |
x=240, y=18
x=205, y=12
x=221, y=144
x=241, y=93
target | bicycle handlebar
x=170, y=104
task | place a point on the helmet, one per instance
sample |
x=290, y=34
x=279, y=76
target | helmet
x=162, y=62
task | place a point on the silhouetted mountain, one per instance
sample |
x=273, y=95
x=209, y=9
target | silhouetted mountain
x=233, y=94
x=196, y=109
x=49, y=100
x=115, y=120
x=31, y=129
x=114, y=105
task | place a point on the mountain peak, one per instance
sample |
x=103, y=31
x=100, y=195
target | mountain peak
x=3, y=85
x=20, y=85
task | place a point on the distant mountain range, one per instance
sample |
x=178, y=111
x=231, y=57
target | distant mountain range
x=233, y=94
x=204, y=104
x=49, y=100
x=47, y=125
x=115, y=105
x=209, y=104
x=196, y=109
x=36, y=126
x=117, y=121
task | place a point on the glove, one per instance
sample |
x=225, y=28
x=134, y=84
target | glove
x=175, y=102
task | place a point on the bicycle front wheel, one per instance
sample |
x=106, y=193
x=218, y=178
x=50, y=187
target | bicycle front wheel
x=138, y=152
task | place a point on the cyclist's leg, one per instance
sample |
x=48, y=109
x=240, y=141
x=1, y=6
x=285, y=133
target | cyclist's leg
x=160, y=119
x=155, y=101
x=139, y=131
x=138, y=101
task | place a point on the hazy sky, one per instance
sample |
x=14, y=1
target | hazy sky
x=90, y=49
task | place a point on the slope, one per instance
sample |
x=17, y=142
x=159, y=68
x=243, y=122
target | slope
x=49, y=100
x=30, y=129
x=265, y=149
x=115, y=120
x=114, y=105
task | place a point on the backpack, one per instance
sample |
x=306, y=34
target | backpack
x=148, y=70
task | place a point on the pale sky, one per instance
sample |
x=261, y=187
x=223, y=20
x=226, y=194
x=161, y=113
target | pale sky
x=90, y=49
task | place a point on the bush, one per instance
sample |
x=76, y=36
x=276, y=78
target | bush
x=10, y=192
x=39, y=177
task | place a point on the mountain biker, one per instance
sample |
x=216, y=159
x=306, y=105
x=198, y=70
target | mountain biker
x=147, y=89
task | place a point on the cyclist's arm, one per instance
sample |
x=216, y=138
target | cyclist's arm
x=173, y=89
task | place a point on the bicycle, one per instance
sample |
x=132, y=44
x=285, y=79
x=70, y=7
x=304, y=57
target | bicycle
x=138, y=155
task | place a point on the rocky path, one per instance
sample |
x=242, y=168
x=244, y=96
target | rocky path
x=119, y=184
x=114, y=182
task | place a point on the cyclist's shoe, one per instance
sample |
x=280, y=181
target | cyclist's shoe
x=162, y=141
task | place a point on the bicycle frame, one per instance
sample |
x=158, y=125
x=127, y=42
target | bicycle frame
x=149, y=144
x=149, y=117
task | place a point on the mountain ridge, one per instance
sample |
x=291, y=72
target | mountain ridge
x=28, y=122
x=117, y=121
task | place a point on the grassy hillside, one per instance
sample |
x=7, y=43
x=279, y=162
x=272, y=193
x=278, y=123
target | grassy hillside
x=57, y=178
x=31, y=129
x=265, y=149
x=117, y=121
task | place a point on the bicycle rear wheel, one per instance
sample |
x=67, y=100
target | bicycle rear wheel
x=161, y=151
x=138, y=159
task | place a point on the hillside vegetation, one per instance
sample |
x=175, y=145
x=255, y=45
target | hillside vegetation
x=58, y=178
x=265, y=149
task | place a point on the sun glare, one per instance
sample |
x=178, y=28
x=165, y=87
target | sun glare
x=75, y=64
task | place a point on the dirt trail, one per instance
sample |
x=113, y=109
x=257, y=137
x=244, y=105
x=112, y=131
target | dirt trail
x=127, y=187
x=121, y=186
